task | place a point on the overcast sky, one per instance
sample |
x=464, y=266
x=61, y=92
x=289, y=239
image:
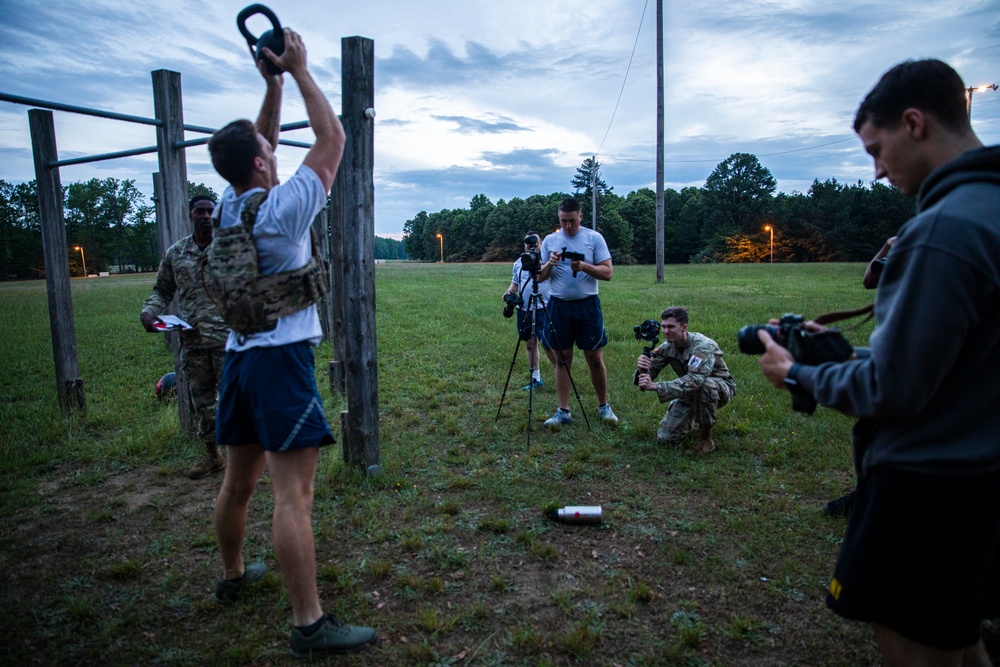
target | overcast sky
x=502, y=98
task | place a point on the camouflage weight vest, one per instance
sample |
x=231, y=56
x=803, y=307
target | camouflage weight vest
x=251, y=303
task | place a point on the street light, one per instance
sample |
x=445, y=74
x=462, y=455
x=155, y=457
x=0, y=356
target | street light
x=441, y=240
x=769, y=228
x=84, y=257
x=976, y=89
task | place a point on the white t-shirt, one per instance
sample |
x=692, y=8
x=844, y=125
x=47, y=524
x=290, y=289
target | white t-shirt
x=523, y=281
x=283, y=243
x=562, y=284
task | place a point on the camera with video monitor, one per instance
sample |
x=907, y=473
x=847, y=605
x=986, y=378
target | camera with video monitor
x=572, y=256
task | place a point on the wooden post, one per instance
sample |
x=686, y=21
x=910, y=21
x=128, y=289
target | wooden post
x=338, y=383
x=171, y=203
x=172, y=339
x=356, y=215
x=69, y=384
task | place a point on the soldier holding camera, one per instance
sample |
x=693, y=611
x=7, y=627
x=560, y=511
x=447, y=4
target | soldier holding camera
x=703, y=383
x=518, y=299
x=921, y=556
x=575, y=258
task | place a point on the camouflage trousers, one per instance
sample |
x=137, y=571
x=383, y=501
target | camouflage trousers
x=698, y=405
x=203, y=368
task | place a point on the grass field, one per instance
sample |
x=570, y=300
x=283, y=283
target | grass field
x=109, y=555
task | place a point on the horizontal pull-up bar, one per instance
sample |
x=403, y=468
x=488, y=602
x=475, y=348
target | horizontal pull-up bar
x=58, y=106
x=150, y=149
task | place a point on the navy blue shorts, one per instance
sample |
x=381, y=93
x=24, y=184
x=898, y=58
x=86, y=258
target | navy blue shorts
x=524, y=323
x=921, y=556
x=269, y=397
x=575, y=322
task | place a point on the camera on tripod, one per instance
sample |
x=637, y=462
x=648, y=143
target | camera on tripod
x=531, y=261
x=513, y=300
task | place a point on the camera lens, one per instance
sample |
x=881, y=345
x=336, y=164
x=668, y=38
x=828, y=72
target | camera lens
x=748, y=341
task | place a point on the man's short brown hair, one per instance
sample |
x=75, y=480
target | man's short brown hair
x=569, y=205
x=679, y=313
x=929, y=85
x=233, y=149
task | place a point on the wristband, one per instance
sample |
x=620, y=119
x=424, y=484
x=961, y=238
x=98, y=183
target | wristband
x=791, y=379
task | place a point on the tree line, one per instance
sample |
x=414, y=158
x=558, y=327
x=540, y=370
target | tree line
x=108, y=218
x=722, y=221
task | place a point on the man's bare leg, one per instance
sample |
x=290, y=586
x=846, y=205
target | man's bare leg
x=898, y=651
x=246, y=463
x=598, y=373
x=294, y=544
x=562, y=377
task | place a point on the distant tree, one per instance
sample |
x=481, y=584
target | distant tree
x=413, y=236
x=583, y=187
x=195, y=189
x=388, y=248
x=20, y=232
x=737, y=196
x=98, y=215
x=639, y=210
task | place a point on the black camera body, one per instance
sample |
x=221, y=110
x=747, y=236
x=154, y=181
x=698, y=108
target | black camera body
x=648, y=331
x=572, y=256
x=513, y=300
x=807, y=347
x=531, y=262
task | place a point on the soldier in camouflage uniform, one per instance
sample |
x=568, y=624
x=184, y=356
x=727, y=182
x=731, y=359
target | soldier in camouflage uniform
x=702, y=387
x=202, y=348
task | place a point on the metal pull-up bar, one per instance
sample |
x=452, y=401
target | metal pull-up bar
x=59, y=106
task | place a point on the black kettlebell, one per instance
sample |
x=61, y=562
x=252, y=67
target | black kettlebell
x=273, y=39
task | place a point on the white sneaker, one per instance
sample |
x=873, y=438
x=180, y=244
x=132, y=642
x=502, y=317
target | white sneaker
x=605, y=413
x=556, y=421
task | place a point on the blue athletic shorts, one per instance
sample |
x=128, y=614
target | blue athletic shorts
x=921, y=556
x=575, y=322
x=524, y=323
x=269, y=397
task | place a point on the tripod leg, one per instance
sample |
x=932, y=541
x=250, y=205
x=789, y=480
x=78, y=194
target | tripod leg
x=507, y=383
x=562, y=360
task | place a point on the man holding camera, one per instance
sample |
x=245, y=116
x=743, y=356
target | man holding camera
x=270, y=411
x=575, y=258
x=921, y=556
x=703, y=383
x=202, y=350
x=518, y=296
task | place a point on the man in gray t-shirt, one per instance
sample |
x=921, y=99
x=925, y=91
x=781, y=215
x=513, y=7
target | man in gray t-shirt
x=575, y=258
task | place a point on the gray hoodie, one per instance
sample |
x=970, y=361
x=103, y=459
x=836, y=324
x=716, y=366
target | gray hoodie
x=928, y=397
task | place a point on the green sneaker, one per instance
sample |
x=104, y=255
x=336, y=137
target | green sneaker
x=333, y=637
x=227, y=591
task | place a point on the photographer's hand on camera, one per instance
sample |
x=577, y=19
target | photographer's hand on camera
x=646, y=383
x=546, y=270
x=776, y=360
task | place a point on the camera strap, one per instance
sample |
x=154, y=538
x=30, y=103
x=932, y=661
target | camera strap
x=838, y=315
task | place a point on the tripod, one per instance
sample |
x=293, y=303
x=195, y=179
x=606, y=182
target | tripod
x=535, y=301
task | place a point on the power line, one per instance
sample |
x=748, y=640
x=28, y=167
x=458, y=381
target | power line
x=717, y=160
x=626, y=77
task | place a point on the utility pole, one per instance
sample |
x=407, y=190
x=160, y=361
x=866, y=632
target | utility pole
x=659, y=141
x=593, y=193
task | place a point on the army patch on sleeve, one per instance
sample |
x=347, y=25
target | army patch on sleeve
x=695, y=362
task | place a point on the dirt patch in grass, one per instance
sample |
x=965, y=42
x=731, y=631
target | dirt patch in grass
x=118, y=569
